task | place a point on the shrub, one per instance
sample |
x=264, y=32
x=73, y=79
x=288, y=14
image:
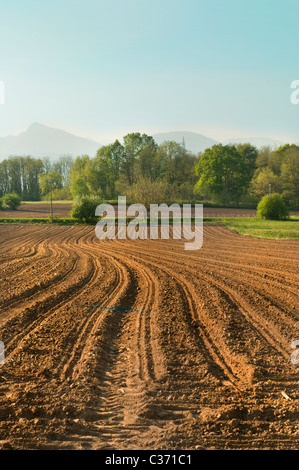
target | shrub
x=148, y=192
x=1, y=204
x=272, y=207
x=84, y=208
x=11, y=201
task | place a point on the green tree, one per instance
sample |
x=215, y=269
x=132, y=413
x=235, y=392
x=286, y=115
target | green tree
x=134, y=143
x=174, y=160
x=105, y=169
x=79, y=188
x=49, y=182
x=78, y=170
x=20, y=175
x=248, y=155
x=33, y=167
x=15, y=170
x=63, y=166
x=175, y=166
x=4, y=177
x=225, y=170
x=264, y=179
x=263, y=156
x=145, y=163
x=290, y=176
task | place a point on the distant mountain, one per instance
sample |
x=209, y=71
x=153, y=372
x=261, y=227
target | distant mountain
x=193, y=141
x=257, y=142
x=42, y=141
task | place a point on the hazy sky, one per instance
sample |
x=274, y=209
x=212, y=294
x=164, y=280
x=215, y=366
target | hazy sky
x=103, y=68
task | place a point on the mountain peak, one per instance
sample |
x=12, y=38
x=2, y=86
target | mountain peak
x=35, y=125
x=43, y=141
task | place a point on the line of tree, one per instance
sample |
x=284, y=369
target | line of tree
x=278, y=172
x=233, y=173
x=21, y=175
x=135, y=167
x=148, y=173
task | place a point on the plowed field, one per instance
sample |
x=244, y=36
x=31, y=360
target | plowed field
x=123, y=344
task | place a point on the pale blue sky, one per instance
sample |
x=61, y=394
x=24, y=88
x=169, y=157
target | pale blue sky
x=102, y=69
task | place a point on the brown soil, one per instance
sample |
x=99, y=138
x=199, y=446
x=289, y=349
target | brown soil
x=122, y=344
x=37, y=211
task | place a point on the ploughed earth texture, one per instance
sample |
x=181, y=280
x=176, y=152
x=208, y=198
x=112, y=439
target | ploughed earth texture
x=141, y=344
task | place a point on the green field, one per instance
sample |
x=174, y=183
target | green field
x=254, y=227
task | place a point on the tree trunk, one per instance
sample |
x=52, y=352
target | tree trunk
x=51, y=206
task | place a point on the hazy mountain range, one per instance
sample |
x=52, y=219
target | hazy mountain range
x=198, y=143
x=43, y=141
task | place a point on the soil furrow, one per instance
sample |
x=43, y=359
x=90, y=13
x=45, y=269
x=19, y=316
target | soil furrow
x=122, y=344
